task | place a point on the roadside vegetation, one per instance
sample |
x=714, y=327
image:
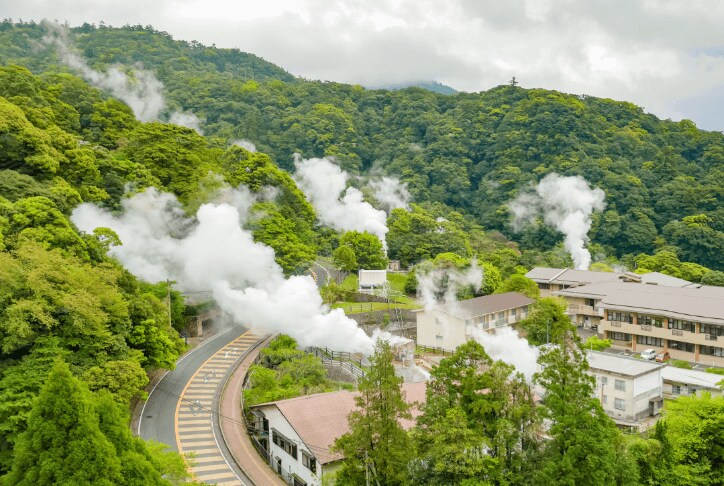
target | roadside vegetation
x=285, y=371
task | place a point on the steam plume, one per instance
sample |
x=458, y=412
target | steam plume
x=143, y=92
x=566, y=204
x=341, y=207
x=505, y=345
x=213, y=252
x=438, y=287
x=391, y=193
x=186, y=119
x=245, y=144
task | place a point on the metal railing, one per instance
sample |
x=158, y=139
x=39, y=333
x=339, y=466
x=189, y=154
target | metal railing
x=435, y=350
x=676, y=332
x=341, y=359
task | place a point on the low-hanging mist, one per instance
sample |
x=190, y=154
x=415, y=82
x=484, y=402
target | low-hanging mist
x=143, y=92
x=566, y=204
x=213, y=252
x=338, y=206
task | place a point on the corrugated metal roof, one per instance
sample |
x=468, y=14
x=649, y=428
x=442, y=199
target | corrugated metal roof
x=691, y=377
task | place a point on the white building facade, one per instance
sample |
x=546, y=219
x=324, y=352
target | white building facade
x=449, y=327
x=629, y=389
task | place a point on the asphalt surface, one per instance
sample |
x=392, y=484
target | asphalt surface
x=157, y=417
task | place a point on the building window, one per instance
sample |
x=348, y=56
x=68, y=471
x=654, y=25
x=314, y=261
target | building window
x=712, y=329
x=513, y=312
x=676, y=389
x=605, y=399
x=590, y=302
x=620, y=385
x=544, y=286
x=309, y=462
x=619, y=404
x=650, y=320
x=620, y=317
x=650, y=341
x=619, y=336
x=681, y=346
x=712, y=351
x=681, y=325
x=287, y=445
x=438, y=321
x=604, y=380
x=438, y=337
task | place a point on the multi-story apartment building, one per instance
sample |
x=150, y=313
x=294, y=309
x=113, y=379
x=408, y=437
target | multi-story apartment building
x=582, y=308
x=629, y=389
x=688, y=322
x=448, y=327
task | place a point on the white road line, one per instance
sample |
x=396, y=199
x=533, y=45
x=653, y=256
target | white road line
x=143, y=409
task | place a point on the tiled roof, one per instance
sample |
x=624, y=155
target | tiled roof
x=320, y=419
x=488, y=304
x=701, y=304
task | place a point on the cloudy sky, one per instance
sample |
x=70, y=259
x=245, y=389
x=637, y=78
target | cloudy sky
x=667, y=56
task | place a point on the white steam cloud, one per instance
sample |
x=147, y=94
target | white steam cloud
x=213, y=252
x=438, y=287
x=186, y=119
x=566, y=204
x=143, y=92
x=338, y=206
x=506, y=345
x=245, y=144
x=391, y=193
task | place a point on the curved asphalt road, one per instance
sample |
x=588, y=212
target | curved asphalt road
x=157, y=416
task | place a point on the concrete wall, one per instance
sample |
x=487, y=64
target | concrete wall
x=438, y=329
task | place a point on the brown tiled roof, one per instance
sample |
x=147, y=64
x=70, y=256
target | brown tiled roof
x=488, y=304
x=320, y=419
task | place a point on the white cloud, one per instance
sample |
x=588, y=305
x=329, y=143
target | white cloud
x=659, y=54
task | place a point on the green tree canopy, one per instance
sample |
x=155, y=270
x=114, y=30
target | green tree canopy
x=376, y=444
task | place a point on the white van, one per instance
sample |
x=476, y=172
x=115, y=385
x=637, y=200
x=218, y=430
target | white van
x=648, y=353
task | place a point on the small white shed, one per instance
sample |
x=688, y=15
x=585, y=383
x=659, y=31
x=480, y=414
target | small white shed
x=370, y=280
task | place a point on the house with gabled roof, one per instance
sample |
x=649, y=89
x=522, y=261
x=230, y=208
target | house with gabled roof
x=297, y=434
x=449, y=326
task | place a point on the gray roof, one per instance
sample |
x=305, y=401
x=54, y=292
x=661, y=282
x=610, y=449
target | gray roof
x=702, y=304
x=691, y=377
x=621, y=365
x=489, y=303
x=663, y=279
x=569, y=276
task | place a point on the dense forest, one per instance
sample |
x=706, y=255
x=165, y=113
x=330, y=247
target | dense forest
x=470, y=153
x=68, y=309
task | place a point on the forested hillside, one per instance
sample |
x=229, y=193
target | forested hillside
x=472, y=152
x=63, y=142
x=69, y=311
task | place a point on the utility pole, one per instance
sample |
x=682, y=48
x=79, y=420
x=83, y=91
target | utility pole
x=168, y=300
x=548, y=325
